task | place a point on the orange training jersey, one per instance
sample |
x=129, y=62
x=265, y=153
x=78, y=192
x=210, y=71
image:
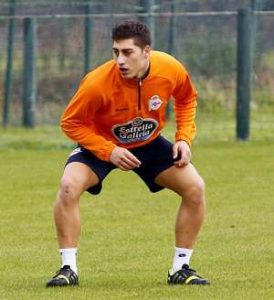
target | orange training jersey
x=108, y=110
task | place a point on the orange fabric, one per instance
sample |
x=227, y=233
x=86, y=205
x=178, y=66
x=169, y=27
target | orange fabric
x=108, y=110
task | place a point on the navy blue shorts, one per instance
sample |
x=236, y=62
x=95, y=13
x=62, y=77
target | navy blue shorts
x=155, y=157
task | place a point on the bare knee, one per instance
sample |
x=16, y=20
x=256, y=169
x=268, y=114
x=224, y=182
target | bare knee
x=69, y=192
x=194, y=193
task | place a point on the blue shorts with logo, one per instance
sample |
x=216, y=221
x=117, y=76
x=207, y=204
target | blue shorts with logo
x=155, y=157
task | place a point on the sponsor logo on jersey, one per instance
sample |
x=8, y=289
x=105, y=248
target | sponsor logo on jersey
x=154, y=103
x=135, y=130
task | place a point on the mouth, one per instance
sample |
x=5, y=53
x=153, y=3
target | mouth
x=124, y=71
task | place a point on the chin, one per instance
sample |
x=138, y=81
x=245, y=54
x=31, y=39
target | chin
x=128, y=76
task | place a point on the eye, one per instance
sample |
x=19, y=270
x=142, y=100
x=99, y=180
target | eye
x=127, y=52
x=115, y=52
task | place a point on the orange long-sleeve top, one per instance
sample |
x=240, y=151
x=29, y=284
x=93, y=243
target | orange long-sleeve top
x=108, y=110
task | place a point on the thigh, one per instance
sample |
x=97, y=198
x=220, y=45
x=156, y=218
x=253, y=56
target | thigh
x=98, y=169
x=179, y=179
x=79, y=176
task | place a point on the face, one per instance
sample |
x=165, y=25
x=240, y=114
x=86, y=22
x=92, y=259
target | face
x=131, y=60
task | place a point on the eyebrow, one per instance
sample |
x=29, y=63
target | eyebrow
x=125, y=49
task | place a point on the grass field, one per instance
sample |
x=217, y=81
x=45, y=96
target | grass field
x=127, y=234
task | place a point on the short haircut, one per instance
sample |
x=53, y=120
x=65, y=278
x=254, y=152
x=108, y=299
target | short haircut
x=132, y=29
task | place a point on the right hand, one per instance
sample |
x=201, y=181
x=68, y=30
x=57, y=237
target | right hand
x=124, y=159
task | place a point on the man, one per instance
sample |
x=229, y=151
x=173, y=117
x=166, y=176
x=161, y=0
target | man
x=116, y=117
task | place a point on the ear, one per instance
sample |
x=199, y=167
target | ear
x=146, y=51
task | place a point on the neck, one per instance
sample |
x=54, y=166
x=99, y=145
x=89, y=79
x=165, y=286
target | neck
x=142, y=74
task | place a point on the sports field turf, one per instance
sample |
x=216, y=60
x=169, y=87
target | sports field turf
x=127, y=234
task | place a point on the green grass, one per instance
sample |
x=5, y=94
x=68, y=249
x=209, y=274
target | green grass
x=127, y=237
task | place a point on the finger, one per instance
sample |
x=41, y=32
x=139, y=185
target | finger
x=184, y=160
x=132, y=158
x=175, y=151
x=122, y=168
x=129, y=163
x=126, y=166
x=181, y=163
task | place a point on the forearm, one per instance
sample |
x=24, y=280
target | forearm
x=185, y=112
x=89, y=139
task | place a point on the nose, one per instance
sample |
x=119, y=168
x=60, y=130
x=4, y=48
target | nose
x=120, y=59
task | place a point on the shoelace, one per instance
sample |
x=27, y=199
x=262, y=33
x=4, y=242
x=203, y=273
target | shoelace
x=186, y=270
x=59, y=272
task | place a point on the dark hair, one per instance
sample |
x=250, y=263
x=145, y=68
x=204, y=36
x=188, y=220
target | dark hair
x=132, y=29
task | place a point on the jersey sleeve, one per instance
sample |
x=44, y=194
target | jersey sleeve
x=185, y=104
x=77, y=121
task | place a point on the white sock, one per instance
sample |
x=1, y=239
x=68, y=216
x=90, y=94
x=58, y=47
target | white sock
x=181, y=256
x=68, y=257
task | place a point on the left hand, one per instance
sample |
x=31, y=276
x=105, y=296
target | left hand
x=181, y=149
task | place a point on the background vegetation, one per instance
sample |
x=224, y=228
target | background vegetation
x=205, y=43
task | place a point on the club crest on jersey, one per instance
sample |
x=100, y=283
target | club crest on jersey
x=135, y=130
x=154, y=103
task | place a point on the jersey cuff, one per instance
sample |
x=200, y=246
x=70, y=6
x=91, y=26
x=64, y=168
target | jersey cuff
x=181, y=137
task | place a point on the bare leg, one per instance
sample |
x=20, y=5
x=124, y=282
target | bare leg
x=189, y=185
x=76, y=179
